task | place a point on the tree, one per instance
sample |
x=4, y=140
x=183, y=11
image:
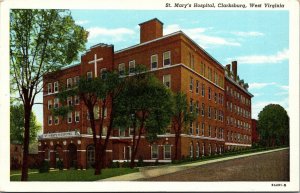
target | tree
x=95, y=92
x=41, y=41
x=145, y=107
x=273, y=125
x=17, y=125
x=182, y=116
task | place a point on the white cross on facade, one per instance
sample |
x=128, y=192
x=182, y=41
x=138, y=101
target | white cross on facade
x=95, y=63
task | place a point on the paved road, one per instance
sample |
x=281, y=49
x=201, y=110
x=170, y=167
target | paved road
x=272, y=166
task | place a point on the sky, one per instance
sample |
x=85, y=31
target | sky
x=258, y=40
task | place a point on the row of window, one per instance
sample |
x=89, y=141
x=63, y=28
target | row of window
x=237, y=137
x=166, y=151
x=69, y=118
x=211, y=112
x=232, y=92
x=238, y=110
x=202, y=152
x=218, y=132
x=70, y=101
x=238, y=123
x=73, y=81
x=154, y=63
x=218, y=97
x=207, y=72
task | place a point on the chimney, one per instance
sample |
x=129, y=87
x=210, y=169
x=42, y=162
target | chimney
x=150, y=30
x=228, y=68
x=234, y=69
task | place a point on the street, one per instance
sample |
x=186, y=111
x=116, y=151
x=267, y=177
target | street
x=273, y=166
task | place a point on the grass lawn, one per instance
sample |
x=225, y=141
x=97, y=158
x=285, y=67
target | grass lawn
x=72, y=175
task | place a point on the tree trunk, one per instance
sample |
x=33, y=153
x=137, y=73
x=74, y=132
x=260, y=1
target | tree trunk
x=97, y=148
x=135, y=149
x=176, y=145
x=97, y=160
x=27, y=114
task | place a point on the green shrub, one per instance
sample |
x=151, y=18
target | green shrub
x=115, y=164
x=59, y=164
x=44, y=167
x=126, y=164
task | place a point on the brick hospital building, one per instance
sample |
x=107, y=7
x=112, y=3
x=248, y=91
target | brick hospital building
x=217, y=93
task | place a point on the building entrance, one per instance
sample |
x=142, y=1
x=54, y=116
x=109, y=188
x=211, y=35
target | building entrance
x=72, y=155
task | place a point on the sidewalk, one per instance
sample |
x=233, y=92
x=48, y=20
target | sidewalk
x=154, y=171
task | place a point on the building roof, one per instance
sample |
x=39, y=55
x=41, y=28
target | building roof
x=235, y=83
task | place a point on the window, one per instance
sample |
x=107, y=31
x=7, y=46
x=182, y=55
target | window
x=49, y=120
x=209, y=112
x=220, y=115
x=56, y=102
x=216, y=114
x=167, y=80
x=89, y=131
x=203, y=149
x=203, y=90
x=191, y=84
x=167, y=151
x=221, y=99
x=56, y=120
x=209, y=149
x=209, y=93
x=197, y=86
x=122, y=69
x=167, y=58
x=76, y=80
x=76, y=99
x=49, y=104
x=192, y=63
x=202, y=129
x=89, y=75
x=209, y=130
x=201, y=68
x=69, y=117
x=104, y=131
x=154, y=62
x=69, y=82
x=216, y=132
x=49, y=88
x=197, y=107
x=131, y=66
x=96, y=112
x=191, y=150
x=191, y=128
x=69, y=101
x=203, y=109
x=105, y=112
x=216, y=97
x=77, y=116
x=103, y=73
x=90, y=153
x=56, y=87
x=154, y=151
x=122, y=132
x=197, y=128
x=191, y=105
x=198, y=150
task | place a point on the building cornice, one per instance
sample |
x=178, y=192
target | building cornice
x=235, y=83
